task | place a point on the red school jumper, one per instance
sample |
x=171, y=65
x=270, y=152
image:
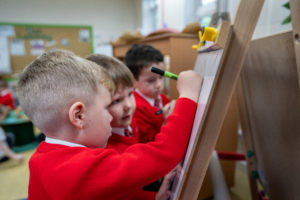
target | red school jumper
x=149, y=124
x=63, y=172
x=120, y=143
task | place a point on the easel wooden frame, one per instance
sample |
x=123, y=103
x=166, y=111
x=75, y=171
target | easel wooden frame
x=295, y=14
x=247, y=108
x=245, y=124
x=226, y=79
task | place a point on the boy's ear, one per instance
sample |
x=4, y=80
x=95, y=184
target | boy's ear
x=76, y=114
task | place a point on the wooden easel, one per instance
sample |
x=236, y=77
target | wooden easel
x=229, y=63
x=295, y=14
x=269, y=105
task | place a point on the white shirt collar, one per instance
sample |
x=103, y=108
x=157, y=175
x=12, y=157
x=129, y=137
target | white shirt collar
x=62, y=142
x=120, y=131
x=149, y=100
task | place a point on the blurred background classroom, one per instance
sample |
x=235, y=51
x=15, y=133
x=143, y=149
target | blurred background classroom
x=30, y=27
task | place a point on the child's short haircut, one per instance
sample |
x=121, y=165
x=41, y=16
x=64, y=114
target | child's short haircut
x=141, y=56
x=118, y=71
x=55, y=80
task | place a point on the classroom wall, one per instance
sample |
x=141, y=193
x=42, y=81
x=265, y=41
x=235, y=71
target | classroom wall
x=109, y=18
x=174, y=14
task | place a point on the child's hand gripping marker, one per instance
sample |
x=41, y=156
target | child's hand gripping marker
x=166, y=74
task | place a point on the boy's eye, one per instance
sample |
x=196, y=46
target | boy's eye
x=130, y=94
x=151, y=80
x=116, y=101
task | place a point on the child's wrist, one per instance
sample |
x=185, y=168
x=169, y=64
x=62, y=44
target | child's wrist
x=193, y=97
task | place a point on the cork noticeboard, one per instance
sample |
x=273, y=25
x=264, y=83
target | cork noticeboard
x=27, y=41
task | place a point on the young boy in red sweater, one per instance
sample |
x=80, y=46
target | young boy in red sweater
x=68, y=98
x=124, y=130
x=140, y=58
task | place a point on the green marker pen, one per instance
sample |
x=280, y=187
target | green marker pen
x=164, y=73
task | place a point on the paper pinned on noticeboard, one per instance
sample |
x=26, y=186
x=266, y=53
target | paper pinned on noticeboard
x=4, y=56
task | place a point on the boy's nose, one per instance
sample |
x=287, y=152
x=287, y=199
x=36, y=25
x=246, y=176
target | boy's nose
x=158, y=83
x=126, y=104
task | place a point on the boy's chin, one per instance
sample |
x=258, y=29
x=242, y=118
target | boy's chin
x=157, y=94
x=125, y=125
x=122, y=125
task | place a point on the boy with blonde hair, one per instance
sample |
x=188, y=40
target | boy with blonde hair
x=67, y=98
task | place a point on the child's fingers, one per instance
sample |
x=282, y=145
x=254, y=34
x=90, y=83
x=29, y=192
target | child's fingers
x=168, y=108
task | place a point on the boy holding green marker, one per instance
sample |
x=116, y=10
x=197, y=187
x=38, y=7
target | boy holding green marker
x=148, y=93
x=164, y=73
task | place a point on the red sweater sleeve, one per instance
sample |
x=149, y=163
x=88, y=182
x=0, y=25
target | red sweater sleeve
x=61, y=172
x=121, y=143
